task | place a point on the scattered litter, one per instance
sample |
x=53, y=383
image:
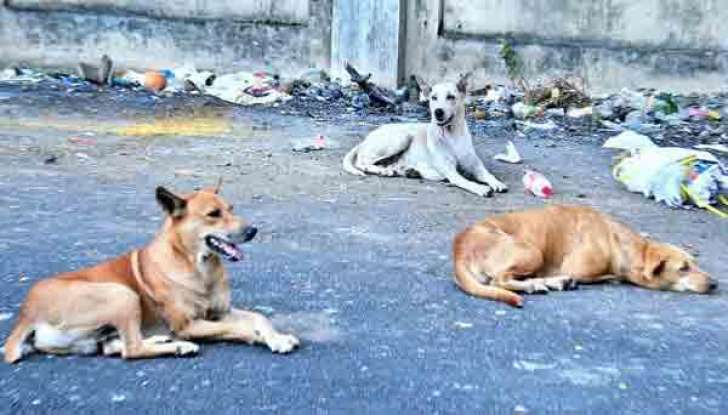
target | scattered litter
x=186, y=173
x=720, y=148
x=51, y=159
x=463, y=325
x=580, y=112
x=5, y=316
x=247, y=88
x=318, y=144
x=376, y=93
x=520, y=410
x=630, y=141
x=154, y=81
x=674, y=176
x=537, y=184
x=511, y=155
x=622, y=386
x=81, y=140
x=118, y=397
x=522, y=111
x=532, y=366
x=704, y=114
x=21, y=76
x=531, y=126
x=100, y=74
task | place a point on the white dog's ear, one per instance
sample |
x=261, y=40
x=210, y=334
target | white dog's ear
x=462, y=84
x=425, y=88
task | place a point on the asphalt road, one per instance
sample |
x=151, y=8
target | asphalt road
x=359, y=268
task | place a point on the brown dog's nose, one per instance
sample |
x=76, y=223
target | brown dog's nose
x=712, y=285
x=249, y=233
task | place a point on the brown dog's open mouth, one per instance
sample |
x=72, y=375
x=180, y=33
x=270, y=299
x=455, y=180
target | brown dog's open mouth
x=224, y=248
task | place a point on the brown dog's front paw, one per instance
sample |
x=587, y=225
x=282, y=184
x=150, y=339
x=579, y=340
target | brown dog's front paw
x=186, y=348
x=282, y=343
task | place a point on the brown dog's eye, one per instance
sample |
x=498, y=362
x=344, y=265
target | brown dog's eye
x=685, y=267
x=231, y=208
x=215, y=213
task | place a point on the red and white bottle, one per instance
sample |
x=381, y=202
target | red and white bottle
x=537, y=184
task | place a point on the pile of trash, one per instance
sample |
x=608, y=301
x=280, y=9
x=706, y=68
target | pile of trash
x=678, y=177
x=243, y=88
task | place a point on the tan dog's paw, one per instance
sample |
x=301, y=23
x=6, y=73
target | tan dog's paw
x=282, y=343
x=561, y=283
x=186, y=348
x=538, y=287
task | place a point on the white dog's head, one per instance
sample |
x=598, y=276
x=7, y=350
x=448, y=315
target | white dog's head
x=446, y=100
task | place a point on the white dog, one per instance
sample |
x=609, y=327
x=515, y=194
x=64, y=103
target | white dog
x=439, y=150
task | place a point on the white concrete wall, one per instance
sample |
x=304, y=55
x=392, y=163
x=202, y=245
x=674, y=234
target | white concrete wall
x=368, y=34
x=679, y=45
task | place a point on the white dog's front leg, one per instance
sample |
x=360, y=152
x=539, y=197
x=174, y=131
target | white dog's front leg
x=471, y=163
x=447, y=166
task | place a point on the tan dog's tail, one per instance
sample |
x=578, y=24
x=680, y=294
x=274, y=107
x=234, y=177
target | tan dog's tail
x=466, y=276
x=348, y=162
x=467, y=282
x=13, y=348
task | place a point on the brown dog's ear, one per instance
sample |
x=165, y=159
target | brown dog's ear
x=218, y=186
x=174, y=205
x=462, y=84
x=654, y=263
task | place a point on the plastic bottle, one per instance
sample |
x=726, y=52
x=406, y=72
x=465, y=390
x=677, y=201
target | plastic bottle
x=537, y=184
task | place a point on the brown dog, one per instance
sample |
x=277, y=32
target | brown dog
x=554, y=248
x=176, y=284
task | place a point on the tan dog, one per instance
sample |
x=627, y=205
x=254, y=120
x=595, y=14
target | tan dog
x=439, y=150
x=176, y=284
x=554, y=248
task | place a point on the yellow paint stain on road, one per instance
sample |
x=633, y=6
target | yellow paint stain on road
x=195, y=127
x=176, y=126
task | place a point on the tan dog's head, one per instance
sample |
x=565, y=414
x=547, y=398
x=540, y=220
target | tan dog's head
x=205, y=223
x=667, y=267
x=446, y=100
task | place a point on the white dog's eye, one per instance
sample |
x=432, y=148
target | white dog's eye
x=434, y=97
x=451, y=97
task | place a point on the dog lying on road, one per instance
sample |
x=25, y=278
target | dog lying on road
x=440, y=150
x=177, y=283
x=554, y=248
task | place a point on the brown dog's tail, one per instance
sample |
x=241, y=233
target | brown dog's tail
x=14, y=344
x=467, y=280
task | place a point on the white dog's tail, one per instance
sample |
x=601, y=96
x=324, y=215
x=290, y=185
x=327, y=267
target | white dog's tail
x=348, y=162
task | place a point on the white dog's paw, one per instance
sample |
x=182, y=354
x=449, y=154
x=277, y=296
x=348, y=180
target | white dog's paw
x=497, y=185
x=186, y=348
x=282, y=343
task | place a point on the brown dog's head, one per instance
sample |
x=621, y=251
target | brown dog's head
x=205, y=223
x=667, y=267
x=446, y=100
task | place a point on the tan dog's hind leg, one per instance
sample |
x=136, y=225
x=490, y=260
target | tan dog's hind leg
x=472, y=255
x=242, y=326
x=14, y=345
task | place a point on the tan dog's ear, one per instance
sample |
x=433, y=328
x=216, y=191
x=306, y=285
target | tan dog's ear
x=462, y=84
x=425, y=88
x=174, y=205
x=655, y=263
x=218, y=186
